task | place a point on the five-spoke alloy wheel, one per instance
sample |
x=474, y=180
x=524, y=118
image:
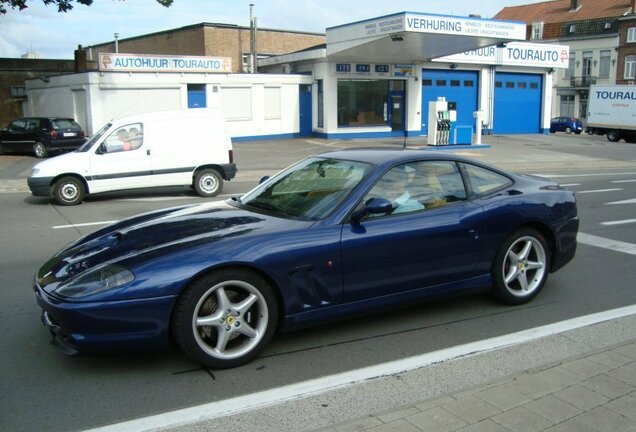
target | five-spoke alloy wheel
x=521, y=267
x=225, y=319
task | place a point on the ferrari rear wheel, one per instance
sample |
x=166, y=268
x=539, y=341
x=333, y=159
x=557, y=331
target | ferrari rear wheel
x=225, y=319
x=521, y=267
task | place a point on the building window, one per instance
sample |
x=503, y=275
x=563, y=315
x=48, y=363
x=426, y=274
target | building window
x=630, y=67
x=272, y=103
x=362, y=103
x=604, y=64
x=587, y=64
x=571, y=70
x=237, y=103
x=321, y=104
x=631, y=34
x=537, y=30
x=18, y=91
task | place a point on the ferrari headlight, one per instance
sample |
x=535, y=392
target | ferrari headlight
x=95, y=281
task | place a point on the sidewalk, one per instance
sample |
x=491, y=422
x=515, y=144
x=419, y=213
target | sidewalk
x=596, y=392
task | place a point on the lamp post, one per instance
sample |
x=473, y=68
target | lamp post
x=116, y=42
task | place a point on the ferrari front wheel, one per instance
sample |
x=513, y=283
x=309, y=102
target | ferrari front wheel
x=225, y=319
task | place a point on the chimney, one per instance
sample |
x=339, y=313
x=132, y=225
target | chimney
x=575, y=4
x=81, y=63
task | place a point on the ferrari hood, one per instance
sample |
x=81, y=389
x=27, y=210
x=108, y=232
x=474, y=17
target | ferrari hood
x=155, y=233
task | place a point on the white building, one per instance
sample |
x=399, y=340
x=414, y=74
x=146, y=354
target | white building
x=374, y=78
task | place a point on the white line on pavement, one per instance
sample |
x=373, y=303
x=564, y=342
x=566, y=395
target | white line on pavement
x=627, y=201
x=317, y=386
x=84, y=224
x=598, y=191
x=569, y=184
x=586, y=175
x=619, y=222
x=624, y=181
x=605, y=243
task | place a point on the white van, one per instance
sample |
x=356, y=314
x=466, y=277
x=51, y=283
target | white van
x=169, y=148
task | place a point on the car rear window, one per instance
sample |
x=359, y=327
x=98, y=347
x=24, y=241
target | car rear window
x=65, y=124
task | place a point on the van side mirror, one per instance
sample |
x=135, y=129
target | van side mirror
x=372, y=206
x=263, y=179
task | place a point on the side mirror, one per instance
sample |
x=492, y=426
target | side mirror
x=263, y=179
x=372, y=206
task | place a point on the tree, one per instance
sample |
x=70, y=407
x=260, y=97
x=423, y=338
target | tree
x=62, y=5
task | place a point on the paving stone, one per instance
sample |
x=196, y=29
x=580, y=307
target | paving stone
x=503, y=397
x=553, y=409
x=359, y=425
x=626, y=374
x=625, y=405
x=396, y=415
x=432, y=403
x=559, y=376
x=437, y=420
x=581, y=397
x=605, y=420
x=534, y=386
x=628, y=350
x=484, y=426
x=521, y=419
x=471, y=409
x=611, y=359
x=586, y=368
x=400, y=425
x=572, y=425
x=608, y=386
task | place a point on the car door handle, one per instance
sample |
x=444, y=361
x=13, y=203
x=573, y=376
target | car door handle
x=473, y=234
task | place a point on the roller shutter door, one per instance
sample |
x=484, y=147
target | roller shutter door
x=517, y=103
x=455, y=86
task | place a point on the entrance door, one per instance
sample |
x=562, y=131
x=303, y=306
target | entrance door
x=304, y=102
x=396, y=111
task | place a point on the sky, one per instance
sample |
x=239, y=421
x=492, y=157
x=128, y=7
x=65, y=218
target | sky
x=55, y=35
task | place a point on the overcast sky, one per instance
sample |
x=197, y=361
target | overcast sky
x=55, y=35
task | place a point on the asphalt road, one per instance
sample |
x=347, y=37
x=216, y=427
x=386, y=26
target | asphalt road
x=44, y=390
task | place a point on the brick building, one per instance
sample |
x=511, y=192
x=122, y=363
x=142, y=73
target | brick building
x=626, y=73
x=13, y=73
x=211, y=39
x=591, y=29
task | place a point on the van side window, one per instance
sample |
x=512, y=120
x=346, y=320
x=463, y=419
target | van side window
x=124, y=138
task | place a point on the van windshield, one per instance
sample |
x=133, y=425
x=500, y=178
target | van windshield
x=92, y=140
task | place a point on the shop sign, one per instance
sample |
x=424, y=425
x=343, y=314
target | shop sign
x=110, y=62
x=465, y=26
x=403, y=70
x=515, y=54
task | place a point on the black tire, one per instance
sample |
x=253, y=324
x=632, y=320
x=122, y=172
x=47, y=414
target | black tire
x=613, y=135
x=239, y=312
x=40, y=151
x=208, y=182
x=1, y=149
x=68, y=191
x=521, y=267
x=568, y=130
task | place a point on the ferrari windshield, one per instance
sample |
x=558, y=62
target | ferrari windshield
x=309, y=190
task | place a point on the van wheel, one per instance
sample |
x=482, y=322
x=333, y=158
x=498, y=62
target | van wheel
x=208, y=183
x=68, y=191
x=40, y=150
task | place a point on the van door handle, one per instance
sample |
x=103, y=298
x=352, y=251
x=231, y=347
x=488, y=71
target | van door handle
x=148, y=152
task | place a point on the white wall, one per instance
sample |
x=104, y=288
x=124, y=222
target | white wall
x=109, y=95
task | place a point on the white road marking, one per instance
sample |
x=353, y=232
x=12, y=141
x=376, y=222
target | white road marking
x=569, y=184
x=585, y=175
x=598, y=191
x=624, y=181
x=627, y=201
x=605, y=243
x=619, y=222
x=84, y=224
x=318, y=386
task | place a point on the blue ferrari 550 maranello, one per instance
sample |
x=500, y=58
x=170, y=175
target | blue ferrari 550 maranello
x=342, y=232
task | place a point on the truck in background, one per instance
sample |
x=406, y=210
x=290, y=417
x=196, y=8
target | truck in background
x=612, y=112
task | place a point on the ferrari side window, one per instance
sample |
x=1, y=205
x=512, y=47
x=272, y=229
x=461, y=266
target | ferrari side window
x=483, y=181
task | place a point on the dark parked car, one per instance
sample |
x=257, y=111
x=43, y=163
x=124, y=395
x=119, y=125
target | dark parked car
x=41, y=135
x=332, y=236
x=566, y=124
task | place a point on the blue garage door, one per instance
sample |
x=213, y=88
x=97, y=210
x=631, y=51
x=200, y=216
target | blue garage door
x=517, y=103
x=456, y=86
